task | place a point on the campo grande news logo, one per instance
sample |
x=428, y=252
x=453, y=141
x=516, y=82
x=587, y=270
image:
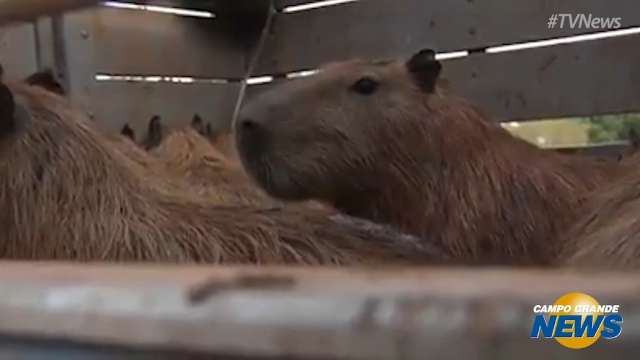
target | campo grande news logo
x=576, y=321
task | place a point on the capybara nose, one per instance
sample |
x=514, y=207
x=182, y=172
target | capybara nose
x=251, y=137
x=248, y=124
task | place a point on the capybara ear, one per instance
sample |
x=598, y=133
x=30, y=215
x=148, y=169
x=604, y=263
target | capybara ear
x=7, y=110
x=154, y=133
x=46, y=79
x=127, y=131
x=155, y=124
x=208, y=131
x=197, y=124
x=425, y=69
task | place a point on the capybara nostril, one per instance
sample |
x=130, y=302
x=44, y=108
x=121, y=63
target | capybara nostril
x=251, y=138
x=247, y=124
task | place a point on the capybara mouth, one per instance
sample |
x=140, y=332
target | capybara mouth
x=274, y=178
x=252, y=142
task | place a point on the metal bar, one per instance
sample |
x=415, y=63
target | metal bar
x=253, y=61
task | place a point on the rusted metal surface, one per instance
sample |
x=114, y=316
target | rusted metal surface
x=26, y=10
x=306, y=313
x=18, y=51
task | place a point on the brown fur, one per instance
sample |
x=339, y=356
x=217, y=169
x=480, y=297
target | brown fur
x=189, y=155
x=224, y=142
x=68, y=195
x=415, y=157
x=608, y=233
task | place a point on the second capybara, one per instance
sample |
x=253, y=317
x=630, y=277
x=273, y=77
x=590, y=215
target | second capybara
x=607, y=234
x=384, y=141
x=69, y=195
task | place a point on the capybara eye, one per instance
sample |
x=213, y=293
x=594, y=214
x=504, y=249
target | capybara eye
x=365, y=86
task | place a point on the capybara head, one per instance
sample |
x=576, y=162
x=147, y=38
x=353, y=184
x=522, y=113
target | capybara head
x=46, y=79
x=336, y=122
x=128, y=132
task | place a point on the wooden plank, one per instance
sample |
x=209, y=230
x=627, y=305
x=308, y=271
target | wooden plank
x=26, y=10
x=281, y=4
x=113, y=104
x=306, y=313
x=18, y=51
x=388, y=28
x=44, y=349
x=216, y=6
x=594, y=77
x=117, y=41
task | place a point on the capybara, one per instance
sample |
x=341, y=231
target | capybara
x=47, y=80
x=190, y=156
x=128, y=132
x=68, y=195
x=607, y=235
x=155, y=133
x=384, y=141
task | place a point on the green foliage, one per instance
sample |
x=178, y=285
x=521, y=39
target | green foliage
x=610, y=128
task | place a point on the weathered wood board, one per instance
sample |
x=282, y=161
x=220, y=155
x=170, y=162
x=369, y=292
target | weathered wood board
x=305, y=313
x=18, y=51
x=593, y=77
x=120, y=41
x=585, y=78
x=29, y=10
x=113, y=104
x=388, y=28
